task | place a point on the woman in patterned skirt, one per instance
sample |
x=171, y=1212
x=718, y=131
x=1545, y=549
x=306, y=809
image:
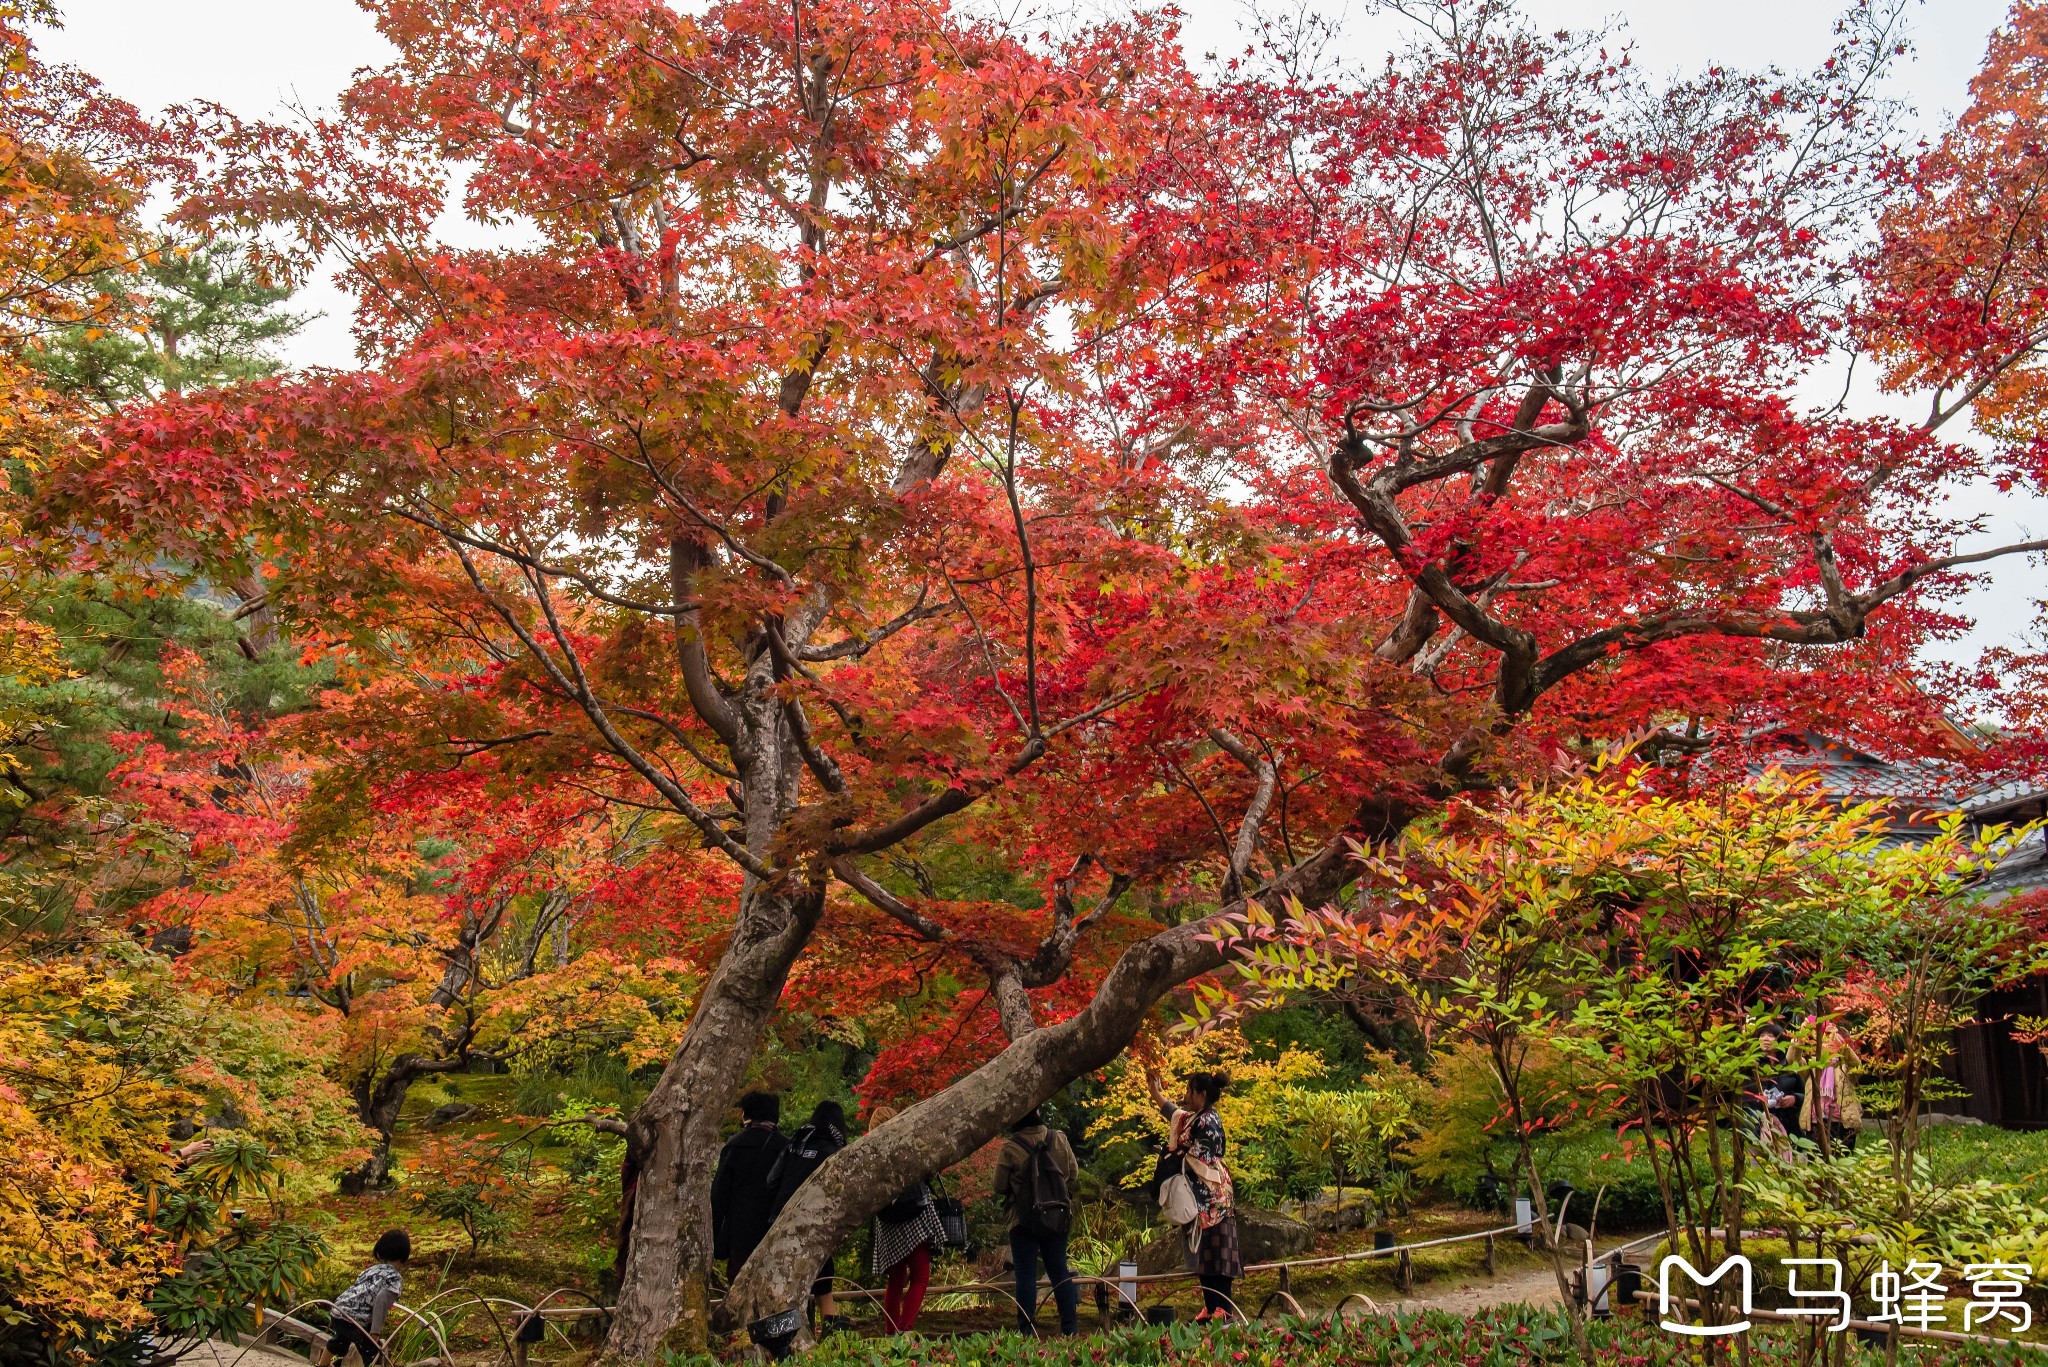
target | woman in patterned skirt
x=906, y=1232
x=1194, y=1134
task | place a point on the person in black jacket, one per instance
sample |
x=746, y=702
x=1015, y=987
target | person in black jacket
x=816, y=1140
x=1784, y=1090
x=743, y=1199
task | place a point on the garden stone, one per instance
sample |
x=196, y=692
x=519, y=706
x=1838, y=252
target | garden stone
x=1325, y=1214
x=1931, y=1118
x=448, y=1115
x=1264, y=1236
x=1267, y=1235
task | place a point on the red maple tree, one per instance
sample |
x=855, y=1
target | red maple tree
x=903, y=420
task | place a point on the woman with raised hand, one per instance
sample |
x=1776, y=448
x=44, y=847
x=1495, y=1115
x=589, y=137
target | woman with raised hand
x=1194, y=1134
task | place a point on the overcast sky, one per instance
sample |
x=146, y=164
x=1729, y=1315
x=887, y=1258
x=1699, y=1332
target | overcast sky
x=254, y=55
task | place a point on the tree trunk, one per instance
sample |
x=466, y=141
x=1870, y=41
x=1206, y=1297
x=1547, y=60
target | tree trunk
x=946, y=1128
x=665, y=1284
x=379, y=1100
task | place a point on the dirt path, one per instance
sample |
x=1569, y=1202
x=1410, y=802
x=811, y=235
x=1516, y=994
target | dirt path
x=1535, y=1286
x=216, y=1354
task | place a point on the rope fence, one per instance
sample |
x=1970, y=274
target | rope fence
x=434, y=1320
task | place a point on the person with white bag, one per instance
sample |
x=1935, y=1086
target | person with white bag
x=1197, y=1194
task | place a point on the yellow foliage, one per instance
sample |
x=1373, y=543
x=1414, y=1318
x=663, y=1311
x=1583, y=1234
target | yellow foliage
x=81, y=1135
x=601, y=1003
x=1257, y=1096
x=101, y=1053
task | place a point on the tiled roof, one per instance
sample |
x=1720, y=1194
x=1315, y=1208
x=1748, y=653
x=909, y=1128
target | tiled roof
x=1926, y=789
x=1933, y=787
x=2024, y=870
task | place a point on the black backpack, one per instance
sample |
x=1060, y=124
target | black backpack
x=1038, y=1193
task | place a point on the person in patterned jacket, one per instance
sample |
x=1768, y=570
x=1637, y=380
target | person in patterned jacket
x=360, y=1311
x=1195, y=1136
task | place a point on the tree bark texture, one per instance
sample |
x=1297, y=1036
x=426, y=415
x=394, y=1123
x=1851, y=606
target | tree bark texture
x=665, y=1283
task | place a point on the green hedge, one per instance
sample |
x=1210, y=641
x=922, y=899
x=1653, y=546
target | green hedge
x=1592, y=1161
x=1508, y=1337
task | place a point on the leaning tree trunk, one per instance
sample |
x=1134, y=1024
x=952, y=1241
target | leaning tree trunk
x=946, y=1128
x=378, y=1103
x=666, y=1281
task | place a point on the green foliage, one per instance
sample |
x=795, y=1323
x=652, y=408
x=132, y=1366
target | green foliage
x=232, y=1167
x=69, y=846
x=1351, y=1134
x=959, y=870
x=464, y=1182
x=204, y=316
x=113, y=650
x=1613, y=1169
x=1464, y=1130
x=1645, y=934
x=247, y=1262
x=1314, y=1028
x=1971, y=1153
x=592, y=1164
x=1856, y=1203
x=1105, y=1233
x=1512, y=1336
x=251, y=1264
x=600, y=1082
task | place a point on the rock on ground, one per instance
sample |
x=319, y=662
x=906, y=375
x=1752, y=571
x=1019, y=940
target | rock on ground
x=1264, y=1235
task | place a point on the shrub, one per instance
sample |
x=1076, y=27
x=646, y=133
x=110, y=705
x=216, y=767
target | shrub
x=465, y=1183
x=1597, y=1159
x=604, y=1081
x=1465, y=1131
x=1511, y=1336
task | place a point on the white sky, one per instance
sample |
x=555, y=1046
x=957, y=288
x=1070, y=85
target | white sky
x=254, y=55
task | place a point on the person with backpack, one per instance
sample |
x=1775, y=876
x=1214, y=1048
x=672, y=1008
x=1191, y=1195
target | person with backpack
x=907, y=1230
x=1035, y=1175
x=1194, y=1137
x=814, y=1141
x=742, y=1200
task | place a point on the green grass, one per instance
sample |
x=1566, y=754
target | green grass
x=1968, y=1153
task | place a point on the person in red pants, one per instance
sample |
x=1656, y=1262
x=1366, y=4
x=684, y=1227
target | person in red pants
x=906, y=1232
x=904, y=1296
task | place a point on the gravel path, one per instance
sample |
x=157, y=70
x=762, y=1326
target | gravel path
x=1537, y=1286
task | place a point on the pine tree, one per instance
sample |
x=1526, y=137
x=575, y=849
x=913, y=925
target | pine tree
x=204, y=315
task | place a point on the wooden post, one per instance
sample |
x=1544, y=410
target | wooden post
x=1404, y=1273
x=1286, y=1279
x=1492, y=1263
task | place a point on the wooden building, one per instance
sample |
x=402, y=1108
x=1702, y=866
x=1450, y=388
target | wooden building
x=2007, y=1080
